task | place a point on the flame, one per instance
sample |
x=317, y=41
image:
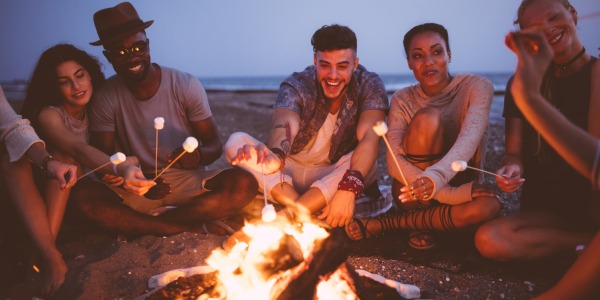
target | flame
x=335, y=288
x=245, y=272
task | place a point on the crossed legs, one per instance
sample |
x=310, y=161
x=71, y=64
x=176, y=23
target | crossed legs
x=526, y=236
x=425, y=141
x=230, y=191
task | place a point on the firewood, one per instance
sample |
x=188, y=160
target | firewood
x=329, y=254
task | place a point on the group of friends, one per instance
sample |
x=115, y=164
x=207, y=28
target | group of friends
x=321, y=151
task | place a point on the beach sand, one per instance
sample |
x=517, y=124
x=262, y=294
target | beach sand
x=103, y=267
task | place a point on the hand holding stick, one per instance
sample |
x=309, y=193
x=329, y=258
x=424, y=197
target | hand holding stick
x=189, y=145
x=381, y=129
x=115, y=159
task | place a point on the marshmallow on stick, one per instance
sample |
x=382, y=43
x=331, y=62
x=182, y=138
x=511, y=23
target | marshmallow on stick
x=189, y=145
x=381, y=129
x=115, y=159
x=159, y=123
x=461, y=165
x=268, y=212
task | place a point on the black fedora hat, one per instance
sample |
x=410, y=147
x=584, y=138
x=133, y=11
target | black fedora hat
x=117, y=22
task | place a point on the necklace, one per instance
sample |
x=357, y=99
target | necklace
x=562, y=68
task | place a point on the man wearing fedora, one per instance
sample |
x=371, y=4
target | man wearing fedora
x=122, y=115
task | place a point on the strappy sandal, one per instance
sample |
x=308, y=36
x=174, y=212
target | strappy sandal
x=421, y=236
x=384, y=224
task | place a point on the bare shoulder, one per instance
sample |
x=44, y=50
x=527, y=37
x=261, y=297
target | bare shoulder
x=49, y=116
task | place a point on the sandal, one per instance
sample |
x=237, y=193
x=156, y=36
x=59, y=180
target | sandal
x=424, y=237
x=384, y=221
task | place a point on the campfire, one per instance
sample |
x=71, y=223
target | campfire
x=283, y=259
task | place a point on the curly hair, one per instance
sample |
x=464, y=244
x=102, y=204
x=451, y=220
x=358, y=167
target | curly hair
x=333, y=37
x=426, y=27
x=43, y=89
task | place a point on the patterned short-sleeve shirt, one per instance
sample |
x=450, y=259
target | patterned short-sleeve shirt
x=301, y=93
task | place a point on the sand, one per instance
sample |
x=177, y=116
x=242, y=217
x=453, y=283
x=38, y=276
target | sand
x=103, y=267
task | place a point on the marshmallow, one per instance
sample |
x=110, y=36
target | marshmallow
x=190, y=144
x=159, y=123
x=380, y=128
x=268, y=213
x=117, y=158
x=459, y=165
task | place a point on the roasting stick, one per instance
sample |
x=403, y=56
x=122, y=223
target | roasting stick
x=159, y=123
x=189, y=145
x=381, y=129
x=268, y=212
x=461, y=165
x=115, y=159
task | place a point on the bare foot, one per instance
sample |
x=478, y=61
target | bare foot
x=53, y=272
x=420, y=240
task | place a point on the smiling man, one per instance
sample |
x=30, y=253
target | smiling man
x=121, y=119
x=321, y=152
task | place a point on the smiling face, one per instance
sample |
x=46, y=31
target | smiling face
x=334, y=70
x=558, y=24
x=428, y=58
x=74, y=83
x=133, y=66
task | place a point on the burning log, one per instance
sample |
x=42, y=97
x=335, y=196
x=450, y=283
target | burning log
x=294, y=261
x=327, y=257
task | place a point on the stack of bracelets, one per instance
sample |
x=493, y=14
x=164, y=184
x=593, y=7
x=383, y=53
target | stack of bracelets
x=352, y=181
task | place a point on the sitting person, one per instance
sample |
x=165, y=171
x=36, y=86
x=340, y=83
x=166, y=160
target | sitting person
x=580, y=149
x=557, y=208
x=121, y=116
x=321, y=151
x=442, y=119
x=58, y=91
x=20, y=148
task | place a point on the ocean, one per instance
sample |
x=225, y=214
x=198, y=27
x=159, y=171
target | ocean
x=393, y=82
x=15, y=90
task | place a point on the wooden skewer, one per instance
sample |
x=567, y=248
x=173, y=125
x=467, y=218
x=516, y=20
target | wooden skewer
x=163, y=170
x=94, y=170
x=381, y=129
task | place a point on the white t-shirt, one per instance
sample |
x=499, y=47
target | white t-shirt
x=180, y=99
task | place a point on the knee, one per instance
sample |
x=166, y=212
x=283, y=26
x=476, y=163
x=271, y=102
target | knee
x=241, y=186
x=490, y=208
x=492, y=242
x=426, y=118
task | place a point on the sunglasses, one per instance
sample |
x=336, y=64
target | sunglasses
x=138, y=49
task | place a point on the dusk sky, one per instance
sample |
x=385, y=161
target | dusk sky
x=218, y=38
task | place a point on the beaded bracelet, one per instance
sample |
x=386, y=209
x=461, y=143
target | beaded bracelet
x=352, y=181
x=44, y=164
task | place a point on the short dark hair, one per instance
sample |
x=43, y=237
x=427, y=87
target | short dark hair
x=427, y=27
x=43, y=89
x=333, y=37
